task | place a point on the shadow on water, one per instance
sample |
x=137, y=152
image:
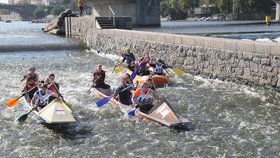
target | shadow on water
x=69, y=131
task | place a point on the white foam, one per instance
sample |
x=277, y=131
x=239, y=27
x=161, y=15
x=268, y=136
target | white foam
x=267, y=40
x=277, y=40
x=108, y=56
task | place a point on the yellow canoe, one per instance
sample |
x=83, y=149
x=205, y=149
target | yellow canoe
x=55, y=112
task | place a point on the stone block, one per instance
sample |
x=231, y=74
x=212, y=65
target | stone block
x=160, y=38
x=169, y=38
x=188, y=40
x=152, y=37
x=208, y=42
x=136, y=35
x=244, y=46
x=275, y=49
x=219, y=44
x=199, y=41
x=265, y=62
x=262, y=48
x=178, y=39
x=248, y=56
x=231, y=45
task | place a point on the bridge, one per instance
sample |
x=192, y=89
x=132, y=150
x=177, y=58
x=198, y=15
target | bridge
x=25, y=11
x=142, y=12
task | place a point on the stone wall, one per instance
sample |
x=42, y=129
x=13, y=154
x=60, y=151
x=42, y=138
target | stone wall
x=232, y=60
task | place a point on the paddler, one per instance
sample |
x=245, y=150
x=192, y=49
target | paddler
x=99, y=81
x=129, y=57
x=124, y=96
x=143, y=98
x=31, y=74
x=30, y=85
x=41, y=97
x=53, y=86
x=159, y=66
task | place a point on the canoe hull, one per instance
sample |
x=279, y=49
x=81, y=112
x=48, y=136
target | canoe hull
x=55, y=112
x=159, y=80
x=162, y=114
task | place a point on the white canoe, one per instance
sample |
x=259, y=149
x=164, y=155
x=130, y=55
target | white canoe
x=55, y=112
x=162, y=114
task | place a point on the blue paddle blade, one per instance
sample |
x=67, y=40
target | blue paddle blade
x=103, y=101
x=133, y=75
x=131, y=113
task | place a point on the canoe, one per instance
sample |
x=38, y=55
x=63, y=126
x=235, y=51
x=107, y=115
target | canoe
x=54, y=113
x=162, y=114
x=159, y=80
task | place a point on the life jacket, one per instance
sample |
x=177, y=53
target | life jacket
x=42, y=99
x=129, y=58
x=142, y=97
x=53, y=88
x=35, y=76
x=28, y=87
x=124, y=95
x=158, y=69
x=99, y=81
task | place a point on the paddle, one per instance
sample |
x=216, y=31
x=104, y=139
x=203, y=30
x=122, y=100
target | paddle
x=24, y=116
x=88, y=92
x=14, y=101
x=105, y=100
x=118, y=69
x=133, y=75
x=132, y=113
x=59, y=94
x=178, y=71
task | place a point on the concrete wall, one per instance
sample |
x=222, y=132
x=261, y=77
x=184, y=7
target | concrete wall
x=142, y=12
x=232, y=60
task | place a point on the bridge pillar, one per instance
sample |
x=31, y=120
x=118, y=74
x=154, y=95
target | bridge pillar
x=277, y=17
x=142, y=12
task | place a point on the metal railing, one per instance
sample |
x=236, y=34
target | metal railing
x=113, y=14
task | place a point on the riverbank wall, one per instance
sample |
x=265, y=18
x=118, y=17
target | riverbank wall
x=247, y=62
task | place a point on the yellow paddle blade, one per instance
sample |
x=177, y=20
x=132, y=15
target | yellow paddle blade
x=118, y=69
x=12, y=102
x=178, y=71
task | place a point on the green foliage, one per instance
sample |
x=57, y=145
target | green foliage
x=174, y=8
x=39, y=12
x=57, y=9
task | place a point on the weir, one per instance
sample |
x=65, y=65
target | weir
x=247, y=62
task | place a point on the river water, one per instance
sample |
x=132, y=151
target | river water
x=231, y=120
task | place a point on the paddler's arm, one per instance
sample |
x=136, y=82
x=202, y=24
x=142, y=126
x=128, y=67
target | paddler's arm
x=33, y=101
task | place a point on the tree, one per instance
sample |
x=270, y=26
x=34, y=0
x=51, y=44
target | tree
x=39, y=12
x=57, y=9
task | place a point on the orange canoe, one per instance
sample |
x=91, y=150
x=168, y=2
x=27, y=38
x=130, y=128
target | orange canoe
x=159, y=80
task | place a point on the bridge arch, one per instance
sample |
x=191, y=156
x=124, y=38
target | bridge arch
x=25, y=11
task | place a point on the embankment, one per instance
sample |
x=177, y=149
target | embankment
x=232, y=60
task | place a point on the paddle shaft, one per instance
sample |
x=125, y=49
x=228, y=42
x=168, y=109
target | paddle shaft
x=24, y=117
x=24, y=94
x=92, y=86
x=59, y=94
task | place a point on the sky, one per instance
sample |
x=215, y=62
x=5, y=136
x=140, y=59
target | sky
x=3, y=1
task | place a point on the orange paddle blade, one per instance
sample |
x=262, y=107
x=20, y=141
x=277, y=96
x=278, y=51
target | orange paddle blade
x=12, y=102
